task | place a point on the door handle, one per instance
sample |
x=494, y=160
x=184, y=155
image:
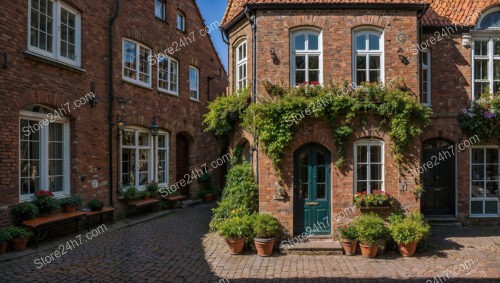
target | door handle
x=312, y=203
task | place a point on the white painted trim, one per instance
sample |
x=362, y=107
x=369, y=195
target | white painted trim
x=169, y=66
x=369, y=143
x=136, y=81
x=241, y=62
x=367, y=31
x=484, y=198
x=293, y=52
x=197, y=98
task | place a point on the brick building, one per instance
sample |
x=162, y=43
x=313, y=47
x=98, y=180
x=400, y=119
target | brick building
x=269, y=39
x=72, y=128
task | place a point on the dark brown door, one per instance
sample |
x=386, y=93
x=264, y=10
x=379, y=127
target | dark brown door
x=438, y=178
x=182, y=162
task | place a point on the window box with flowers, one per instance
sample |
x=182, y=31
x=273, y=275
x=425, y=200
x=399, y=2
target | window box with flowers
x=45, y=201
x=377, y=200
x=483, y=120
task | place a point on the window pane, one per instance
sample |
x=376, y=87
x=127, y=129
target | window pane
x=143, y=139
x=361, y=42
x=321, y=178
x=492, y=189
x=300, y=62
x=479, y=89
x=375, y=62
x=497, y=48
x=362, y=153
x=314, y=62
x=174, y=76
x=477, y=172
x=362, y=187
x=314, y=76
x=144, y=65
x=128, y=165
x=477, y=155
x=55, y=167
x=362, y=173
x=56, y=184
x=376, y=154
x=159, y=9
x=477, y=189
x=491, y=172
x=320, y=158
x=130, y=57
x=491, y=155
x=300, y=77
x=313, y=42
x=496, y=69
x=162, y=141
x=321, y=191
x=374, y=42
x=481, y=69
x=491, y=21
x=361, y=62
x=376, y=172
x=476, y=207
x=481, y=47
x=128, y=138
x=300, y=42
x=360, y=77
x=375, y=186
x=491, y=207
x=425, y=58
x=374, y=76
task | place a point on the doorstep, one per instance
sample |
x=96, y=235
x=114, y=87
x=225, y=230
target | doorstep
x=443, y=222
x=316, y=247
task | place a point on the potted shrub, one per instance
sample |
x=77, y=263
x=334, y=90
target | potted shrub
x=95, y=205
x=45, y=201
x=348, y=238
x=407, y=232
x=70, y=204
x=20, y=237
x=146, y=195
x=207, y=195
x=24, y=211
x=131, y=194
x=5, y=237
x=370, y=228
x=235, y=230
x=152, y=188
x=265, y=228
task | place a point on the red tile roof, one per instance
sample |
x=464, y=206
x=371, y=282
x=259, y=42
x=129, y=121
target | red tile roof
x=440, y=13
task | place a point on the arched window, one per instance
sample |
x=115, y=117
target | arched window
x=491, y=20
x=241, y=65
x=368, y=56
x=306, y=57
x=369, y=166
x=43, y=151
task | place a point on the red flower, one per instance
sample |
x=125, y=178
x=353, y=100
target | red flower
x=314, y=83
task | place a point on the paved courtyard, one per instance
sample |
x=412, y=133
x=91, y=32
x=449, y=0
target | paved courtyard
x=177, y=248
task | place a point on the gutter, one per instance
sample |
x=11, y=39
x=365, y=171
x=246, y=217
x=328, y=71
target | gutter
x=111, y=98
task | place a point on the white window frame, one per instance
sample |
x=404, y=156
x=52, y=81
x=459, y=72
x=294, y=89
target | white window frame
x=294, y=52
x=44, y=153
x=369, y=143
x=355, y=53
x=241, y=63
x=138, y=47
x=484, y=198
x=167, y=153
x=180, y=20
x=163, y=10
x=56, y=34
x=427, y=66
x=169, y=71
x=137, y=147
x=197, y=90
x=491, y=59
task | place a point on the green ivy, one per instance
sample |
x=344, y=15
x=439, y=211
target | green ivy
x=225, y=111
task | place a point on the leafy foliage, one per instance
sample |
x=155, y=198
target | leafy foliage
x=72, y=200
x=376, y=198
x=95, y=205
x=45, y=199
x=484, y=119
x=23, y=211
x=5, y=236
x=235, y=227
x=370, y=228
x=348, y=232
x=265, y=226
x=18, y=232
x=413, y=228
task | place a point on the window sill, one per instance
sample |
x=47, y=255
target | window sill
x=485, y=216
x=195, y=100
x=161, y=20
x=163, y=91
x=53, y=62
x=136, y=84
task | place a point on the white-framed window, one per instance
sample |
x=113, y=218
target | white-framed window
x=136, y=66
x=181, y=21
x=484, y=186
x=426, y=78
x=160, y=9
x=306, y=57
x=44, y=160
x=194, y=83
x=368, y=166
x=168, y=75
x=162, y=150
x=241, y=65
x=54, y=31
x=136, y=158
x=486, y=65
x=368, y=56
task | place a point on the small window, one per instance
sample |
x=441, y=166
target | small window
x=168, y=75
x=306, y=58
x=485, y=172
x=181, y=21
x=162, y=158
x=490, y=21
x=368, y=61
x=160, y=9
x=136, y=66
x=241, y=65
x=54, y=31
x=426, y=78
x=136, y=158
x=369, y=166
x=194, y=83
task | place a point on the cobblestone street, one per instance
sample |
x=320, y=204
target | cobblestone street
x=177, y=248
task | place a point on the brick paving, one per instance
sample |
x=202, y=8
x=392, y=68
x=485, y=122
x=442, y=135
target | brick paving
x=177, y=248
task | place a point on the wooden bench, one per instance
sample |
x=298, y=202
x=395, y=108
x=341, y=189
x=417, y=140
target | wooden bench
x=174, y=199
x=134, y=204
x=40, y=223
x=101, y=213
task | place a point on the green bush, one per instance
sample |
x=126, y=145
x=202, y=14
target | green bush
x=95, y=205
x=23, y=211
x=225, y=111
x=72, y=200
x=235, y=227
x=347, y=232
x=5, y=236
x=131, y=193
x=370, y=228
x=413, y=228
x=265, y=226
x=19, y=232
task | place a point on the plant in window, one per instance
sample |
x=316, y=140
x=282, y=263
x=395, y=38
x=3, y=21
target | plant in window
x=45, y=201
x=24, y=211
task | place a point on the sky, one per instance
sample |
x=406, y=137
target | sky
x=213, y=11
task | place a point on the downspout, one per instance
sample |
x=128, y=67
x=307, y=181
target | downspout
x=252, y=19
x=111, y=98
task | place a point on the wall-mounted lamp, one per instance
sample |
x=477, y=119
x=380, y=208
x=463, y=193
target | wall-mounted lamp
x=466, y=40
x=402, y=58
x=154, y=128
x=121, y=124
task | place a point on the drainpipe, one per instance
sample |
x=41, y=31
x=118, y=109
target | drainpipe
x=252, y=19
x=111, y=98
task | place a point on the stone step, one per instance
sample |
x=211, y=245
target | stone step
x=444, y=222
x=316, y=247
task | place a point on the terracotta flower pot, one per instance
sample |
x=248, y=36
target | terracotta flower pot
x=208, y=198
x=3, y=247
x=408, y=249
x=349, y=246
x=69, y=208
x=264, y=246
x=369, y=251
x=20, y=244
x=235, y=246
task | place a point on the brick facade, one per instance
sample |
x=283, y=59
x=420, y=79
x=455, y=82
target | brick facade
x=29, y=79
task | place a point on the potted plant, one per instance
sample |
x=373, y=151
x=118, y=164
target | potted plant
x=45, y=201
x=5, y=237
x=370, y=228
x=235, y=230
x=24, y=211
x=348, y=238
x=207, y=192
x=145, y=195
x=265, y=228
x=131, y=194
x=152, y=188
x=20, y=237
x=70, y=204
x=407, y=232
x=95, y=205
